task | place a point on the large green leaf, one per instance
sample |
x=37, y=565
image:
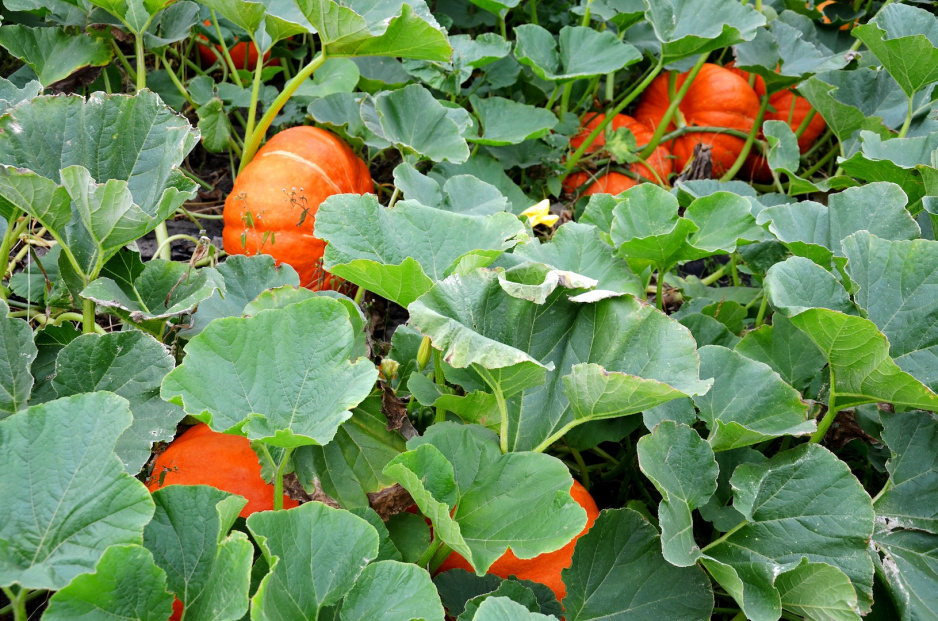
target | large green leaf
x=465, y=194
x=583, y=52
x=130, y=364
x=245, y=279
x=857, y=352
x=578, y=248
x=818, y=592
x=907, y=560
x=350, y=467
x=505, y=609
x=482, y=502
x=905, y=39
x=911, y=499
x=786, y=349
x=315, y=554
x=115, y=137
x=815, y=231
x=382, y=28
x=126, y=586
x=898, y=289
x=11, y=94
x=269, y=385
x=684, y=470
x=689, y=27
x=849, y=101
x=392, y=591
x=506, y=122
x=17, y=353
x=53, y=53
x=738, y=417
x=416, y=123
x=206, y=567
x=273, y=18
x=790, y=49
x=66, y=494
x=801, y=504
x=162, y=290
x=400, y=252
x=618, y=572
x=515, y=345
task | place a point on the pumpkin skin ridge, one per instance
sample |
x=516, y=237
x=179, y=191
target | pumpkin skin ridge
x=296, y=170
x=717, y=98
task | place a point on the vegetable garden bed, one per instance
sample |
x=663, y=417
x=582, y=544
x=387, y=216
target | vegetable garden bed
x=386, y=310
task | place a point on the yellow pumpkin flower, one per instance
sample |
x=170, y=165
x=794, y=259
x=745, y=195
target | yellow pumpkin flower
x=540, y=214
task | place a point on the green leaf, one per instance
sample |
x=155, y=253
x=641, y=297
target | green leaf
x=722, y=219
x=506, y=122
x=67, y=495
x=172, y=24
x=798, y=284
x=400, y=252
x=164, y=289
x=801, y=504
x=482, y=502
x=267, y=384
x=130, y=364
x=383, y=28
x=683, y=468
x=738, y=417
x=857, y=352
x=278, y=20
x=514, y=591
x=818, y=592
x=50, y=340
x=906, y=162
x=387, y=550
x=578, y=248
x=908, y=562
x=17, y=353
x=583, y=52
x=152, y=139
x=392, y=591
x=786, y=349
x=910, y=499
x=315, y=554
x=465, y=194
x=719, y=510
x=53, y=53
x=515, y=345
x=245, y=279
x=11, y=95
x=689, y=27
x=206, y=567
x=618, y=572
x=905, y=40
x=350, y=467
x=125, y=586
x=214, y=126
x=414, y=122
x=845, y=99
x=897, y=284
x=812, y=230
x=336, y=75
x=506, y=609
x=30, y=284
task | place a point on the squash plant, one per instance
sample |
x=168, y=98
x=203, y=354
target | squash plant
x=733, y=356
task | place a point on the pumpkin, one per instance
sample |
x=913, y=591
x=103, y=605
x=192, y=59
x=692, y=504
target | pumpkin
x=717, y=98
x=201, y=456
x=272, y=206
x=544, y=568
x=239, y=52
x=659, y=160
x=785, y=106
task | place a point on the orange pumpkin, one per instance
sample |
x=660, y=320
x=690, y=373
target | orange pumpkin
x=272, y=207
x=786, y=106
x=659, y=160
x=717, y=98
x=544, y=568
x=239, y=52
x=201, y=456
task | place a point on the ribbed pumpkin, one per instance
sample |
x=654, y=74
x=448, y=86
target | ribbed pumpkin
x=293, y=173
x=545, y=568
x=239, y=52
x=201, y=456
x=785, y=106
x=717, y=98
x=659, y=160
